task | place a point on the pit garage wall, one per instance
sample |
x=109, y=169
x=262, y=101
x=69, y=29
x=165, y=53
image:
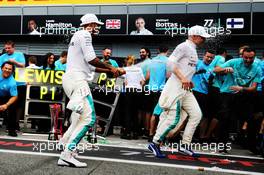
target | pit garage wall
x=122, y=46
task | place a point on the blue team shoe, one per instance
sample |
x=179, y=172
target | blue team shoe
x=156, y=150
x=186, y=150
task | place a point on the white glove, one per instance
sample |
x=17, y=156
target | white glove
x=76, y=106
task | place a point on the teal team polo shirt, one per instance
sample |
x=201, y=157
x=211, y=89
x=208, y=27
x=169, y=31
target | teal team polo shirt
x=242, y=76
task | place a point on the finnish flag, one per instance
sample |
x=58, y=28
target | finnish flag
x=235, y=23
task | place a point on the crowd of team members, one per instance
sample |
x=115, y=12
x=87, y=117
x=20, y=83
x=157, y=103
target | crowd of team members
x=12, y=92
x=230, y=95
x=229, y=92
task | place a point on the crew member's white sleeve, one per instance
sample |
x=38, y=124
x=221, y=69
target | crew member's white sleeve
x=125, y=75
x=87, y=47
x=92, y=68
x=142, y=75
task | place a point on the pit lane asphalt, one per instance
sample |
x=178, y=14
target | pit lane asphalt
x=22, y=164
x=17, y=157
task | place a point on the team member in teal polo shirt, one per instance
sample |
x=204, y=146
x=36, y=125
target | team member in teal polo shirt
x=243, y=75
x=200, y=78
x=219, y=59
x=200, y=90
x=145, y=106
x=145, y=56
x=157, y=74
x=214, y=90
x=107, y=52
x=156, y=71
x=255, y=125
x=7, y=82
x=260, y=87
x=18, y=59
x=61, y=63
x=8, y=95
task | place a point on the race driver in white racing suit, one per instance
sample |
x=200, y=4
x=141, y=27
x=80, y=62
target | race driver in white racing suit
x=81, y=64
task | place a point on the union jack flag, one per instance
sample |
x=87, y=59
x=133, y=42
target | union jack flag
x=113, y=24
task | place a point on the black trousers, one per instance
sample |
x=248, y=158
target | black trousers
x=214, y=101
x=20, y=104
x=9, y=114
x=203, y=102
x=254, y=123
x=131, y=106
x=233, y=107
